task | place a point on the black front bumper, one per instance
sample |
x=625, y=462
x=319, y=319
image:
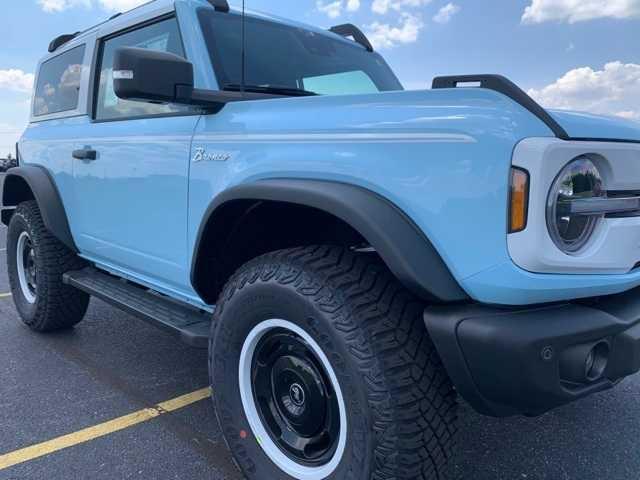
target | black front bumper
x=530, y=360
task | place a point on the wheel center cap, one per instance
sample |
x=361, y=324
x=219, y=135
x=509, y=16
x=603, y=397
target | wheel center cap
x=297, y=395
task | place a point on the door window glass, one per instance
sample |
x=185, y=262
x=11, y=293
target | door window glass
x=162, y=36
x=58, y=87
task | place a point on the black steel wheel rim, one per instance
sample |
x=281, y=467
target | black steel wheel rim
x=295, y=399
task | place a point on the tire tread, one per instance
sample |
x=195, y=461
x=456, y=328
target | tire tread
x=58, y=306
x=413, y=400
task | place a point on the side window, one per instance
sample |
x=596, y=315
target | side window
x=163, y=36
x=58, y=85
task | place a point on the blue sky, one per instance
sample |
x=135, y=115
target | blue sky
x=575, y=54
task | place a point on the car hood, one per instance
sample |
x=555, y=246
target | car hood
x=597, y=127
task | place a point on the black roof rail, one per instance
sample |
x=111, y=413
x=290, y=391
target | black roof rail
x=114, y=16
x=220, y=5
x=503, y=85
x=350, y=30
x=57, y=42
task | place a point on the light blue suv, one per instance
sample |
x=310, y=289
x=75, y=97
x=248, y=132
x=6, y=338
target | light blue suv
x=354, y=256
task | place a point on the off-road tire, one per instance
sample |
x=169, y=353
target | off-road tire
x=57, y=306
x=401, y=406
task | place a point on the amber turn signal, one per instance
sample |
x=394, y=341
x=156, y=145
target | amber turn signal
x=518, y=200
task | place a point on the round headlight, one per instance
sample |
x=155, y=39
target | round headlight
x=579, y=180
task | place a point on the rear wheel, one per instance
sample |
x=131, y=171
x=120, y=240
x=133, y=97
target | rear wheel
x=322, y=368
x=36, y=261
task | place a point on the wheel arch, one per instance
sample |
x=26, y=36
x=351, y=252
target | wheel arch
x=33, y=182
x=332, y=211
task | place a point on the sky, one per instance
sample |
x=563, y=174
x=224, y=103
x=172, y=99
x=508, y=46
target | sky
x=571, y=54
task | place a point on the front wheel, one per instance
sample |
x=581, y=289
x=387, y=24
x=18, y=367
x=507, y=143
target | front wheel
x=321, y=367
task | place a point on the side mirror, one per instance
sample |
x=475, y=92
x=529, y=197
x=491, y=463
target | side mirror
x=160, y=77
x=151, y=76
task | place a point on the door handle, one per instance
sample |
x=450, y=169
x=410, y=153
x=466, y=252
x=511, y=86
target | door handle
x=85, y=154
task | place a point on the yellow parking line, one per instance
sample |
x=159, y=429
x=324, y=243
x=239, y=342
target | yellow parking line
x=101, y=430
x=5, y=295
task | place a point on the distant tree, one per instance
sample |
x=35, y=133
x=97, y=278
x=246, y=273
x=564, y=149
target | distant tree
x=9, y=157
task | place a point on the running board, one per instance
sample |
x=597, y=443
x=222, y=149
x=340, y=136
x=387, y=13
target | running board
x=188, y=323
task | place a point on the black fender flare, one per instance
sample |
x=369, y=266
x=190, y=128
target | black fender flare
x=45, y=193
x=405, y=249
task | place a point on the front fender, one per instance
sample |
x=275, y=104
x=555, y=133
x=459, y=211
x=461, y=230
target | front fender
x=407, y=252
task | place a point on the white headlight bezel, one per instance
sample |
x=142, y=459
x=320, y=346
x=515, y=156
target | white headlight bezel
x=614, y=247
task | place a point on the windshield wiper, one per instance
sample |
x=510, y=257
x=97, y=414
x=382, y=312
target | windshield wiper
x=273, y=89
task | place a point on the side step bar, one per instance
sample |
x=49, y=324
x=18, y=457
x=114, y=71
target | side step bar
x=188, y=323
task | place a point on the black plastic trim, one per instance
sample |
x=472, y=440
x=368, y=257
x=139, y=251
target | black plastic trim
x=57, y=42
x=503, y=85
x=220, y=5
x=350, y=30
x=46, y=194
x=603, y=140
x=190, y=324
x=513, y=361
x=402, y=245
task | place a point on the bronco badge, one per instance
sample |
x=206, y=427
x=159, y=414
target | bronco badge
x=201, y=155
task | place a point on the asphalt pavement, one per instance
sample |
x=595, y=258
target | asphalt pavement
x=112, y=365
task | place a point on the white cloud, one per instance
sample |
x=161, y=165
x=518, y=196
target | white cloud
x=334, y=8
x=383, y=6
x=331, y=9
x=55, y=6
x=16, y=80
x=445, y=14
x=615, y=90
x=353, y=5
x=383, y=35
x=573, y=11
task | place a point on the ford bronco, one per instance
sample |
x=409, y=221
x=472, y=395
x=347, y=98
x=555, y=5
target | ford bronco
x=355, y=256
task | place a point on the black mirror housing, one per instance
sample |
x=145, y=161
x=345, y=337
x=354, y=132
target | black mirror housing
x=160, y=77
x=151, y=76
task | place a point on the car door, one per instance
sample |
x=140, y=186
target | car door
x=132, y=186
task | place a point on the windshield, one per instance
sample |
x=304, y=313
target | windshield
x=284, y=57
